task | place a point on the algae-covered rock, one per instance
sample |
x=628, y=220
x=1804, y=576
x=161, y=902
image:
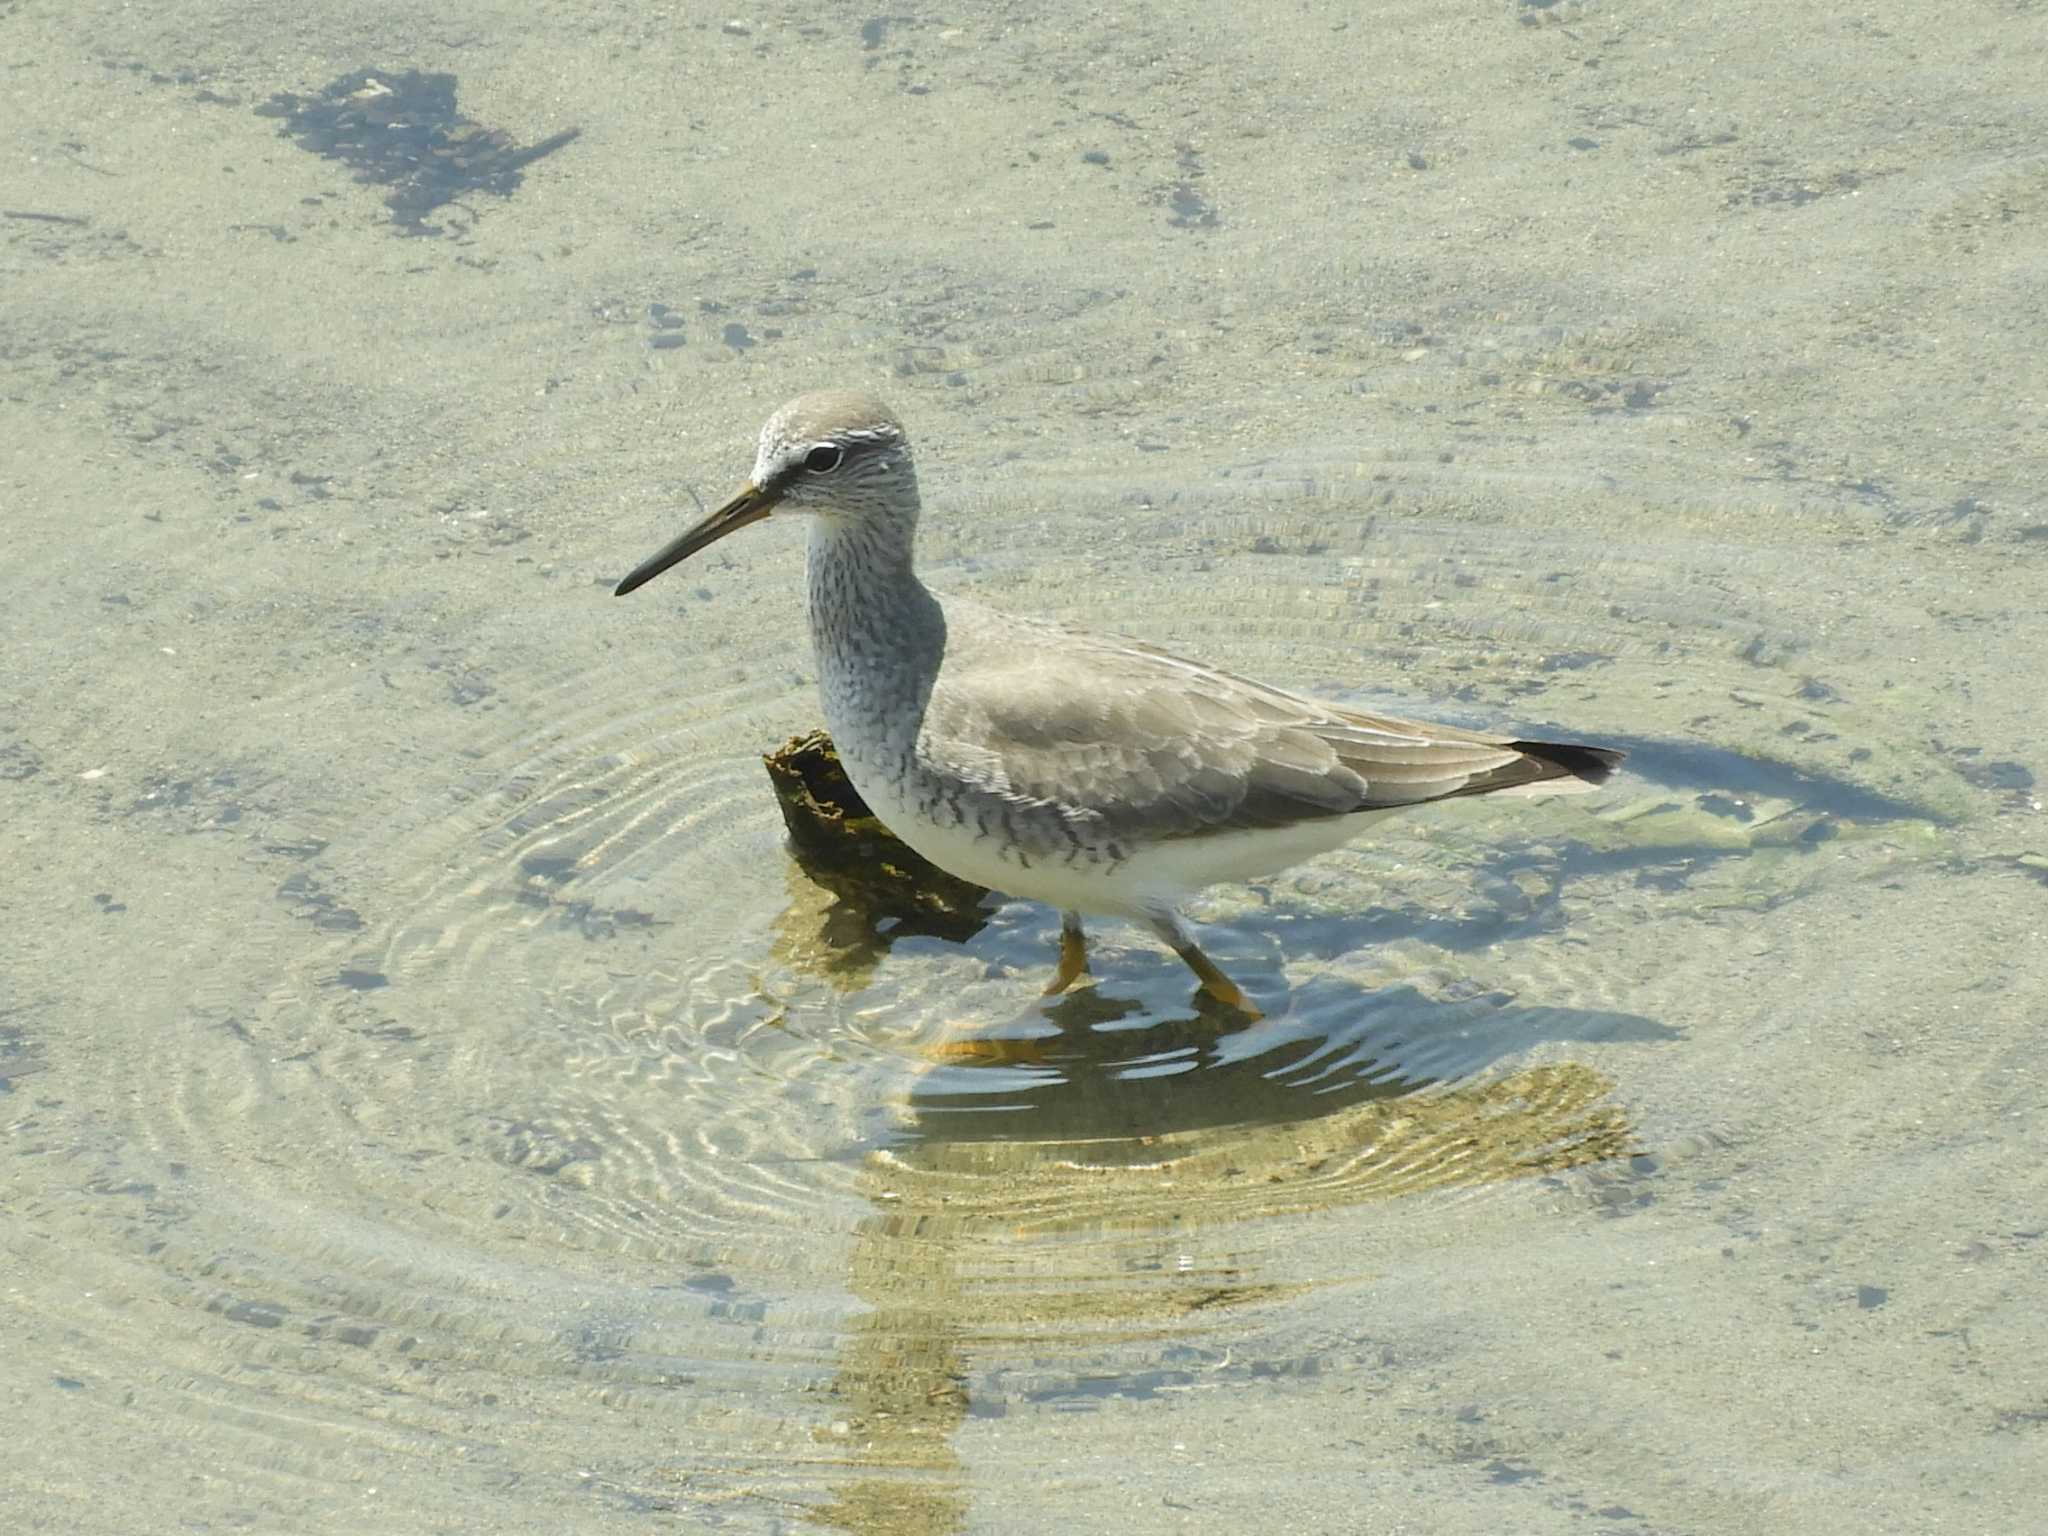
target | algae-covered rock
x=872, y=874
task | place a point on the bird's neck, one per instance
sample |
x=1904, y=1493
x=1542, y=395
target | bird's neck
x=879, y=633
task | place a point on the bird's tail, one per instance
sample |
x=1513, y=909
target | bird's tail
x=1573, y=767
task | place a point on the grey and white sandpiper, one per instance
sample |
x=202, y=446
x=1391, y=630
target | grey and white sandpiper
x=1097, y=774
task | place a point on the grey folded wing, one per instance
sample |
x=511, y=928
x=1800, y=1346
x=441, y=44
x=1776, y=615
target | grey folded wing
x=1139, y=744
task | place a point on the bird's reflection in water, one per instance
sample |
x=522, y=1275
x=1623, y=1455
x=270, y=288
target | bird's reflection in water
x=1100, y=1170
x=1097, y=1070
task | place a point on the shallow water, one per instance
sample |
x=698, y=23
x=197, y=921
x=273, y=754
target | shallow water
x=435, y=1095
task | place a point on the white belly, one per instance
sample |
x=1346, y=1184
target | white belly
x=1154, y=876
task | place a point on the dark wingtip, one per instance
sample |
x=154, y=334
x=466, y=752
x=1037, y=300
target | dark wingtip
x=1592, y=765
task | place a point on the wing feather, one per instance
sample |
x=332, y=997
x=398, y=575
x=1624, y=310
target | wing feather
x=1141, y=745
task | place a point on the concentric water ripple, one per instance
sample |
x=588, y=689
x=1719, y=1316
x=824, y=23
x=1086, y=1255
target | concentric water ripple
x=579, y=963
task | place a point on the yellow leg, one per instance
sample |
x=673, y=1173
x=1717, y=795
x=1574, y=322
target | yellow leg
x=989, y=1053
x=1215, y=983
x=1167, y=924
x=1073, y=955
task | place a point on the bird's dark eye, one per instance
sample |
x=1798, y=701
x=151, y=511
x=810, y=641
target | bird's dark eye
x=823, y=459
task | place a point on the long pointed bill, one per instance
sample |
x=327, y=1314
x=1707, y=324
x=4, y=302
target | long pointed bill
x=750, y=506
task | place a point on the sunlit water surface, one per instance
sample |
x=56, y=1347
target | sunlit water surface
x=436, y=1096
